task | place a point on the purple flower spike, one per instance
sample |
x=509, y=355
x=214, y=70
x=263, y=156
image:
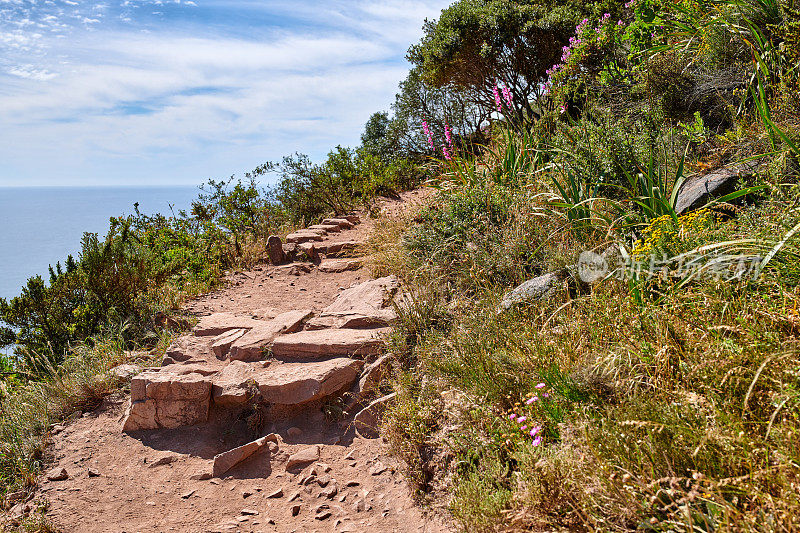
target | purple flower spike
x=497, y=99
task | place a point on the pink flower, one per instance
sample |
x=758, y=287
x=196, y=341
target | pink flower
x=512, y=416
x=540, y=385
x=546, y=395
x=507, y=96
x=537, y=441
x=530, y=401
x=448, y=134
x=428, y=133
x=523, y=428
x=563, y=109
x=535, y=430
x=620, y=23
x=497, y=99
x=446, y=153
x=521, y=419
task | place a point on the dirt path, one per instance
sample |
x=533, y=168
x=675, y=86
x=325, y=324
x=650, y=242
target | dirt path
x=158, y=479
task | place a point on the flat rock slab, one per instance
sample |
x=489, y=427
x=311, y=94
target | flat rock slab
x=319, y=344
x=304, y=236
x=328, y=228
x=187, y=347
x=227, y=460
x=222, y=343
x=367, y=305
x=341, y=222
x=284, y=384
x=339, y=265
x=303, y=457
x=168, y=400
x=251, y=345
x=218, y=323
x=298, y=383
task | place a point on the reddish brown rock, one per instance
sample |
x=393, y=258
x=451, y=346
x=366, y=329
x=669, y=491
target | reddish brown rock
x=217, y=323
x=327, y=228
x=343, y=223
x=339, y=265
x=339, y=249
x=227, y=460
x=222, y=343
x=309, y=249
x=168, y=400
x=297, y=383
x=303, y=236
x=322, y=343
x=275, y=250
x=303, y=457
x=251, y=345
x=367, y=305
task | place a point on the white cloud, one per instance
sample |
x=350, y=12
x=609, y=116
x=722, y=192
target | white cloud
x=182, y=104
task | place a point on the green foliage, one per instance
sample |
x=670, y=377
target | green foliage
x=477, y=43
x=348, y=178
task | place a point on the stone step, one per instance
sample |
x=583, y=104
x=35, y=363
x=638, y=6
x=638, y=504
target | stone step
x=338, y=249
x=217, y=323
x=328, y=228
x=339, y=265
x=251, y=345
x=343, y=223
x=322, y=343
x=303, y=236
x=366, y=305
x=284, y=383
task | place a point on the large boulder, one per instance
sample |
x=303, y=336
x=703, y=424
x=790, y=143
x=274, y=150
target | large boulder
x=319, y=344
x=251, y=345
x=168, y=400
x=699, y=190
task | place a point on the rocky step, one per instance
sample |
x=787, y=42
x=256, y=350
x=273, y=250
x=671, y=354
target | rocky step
x=339, y=265
x=323, y=343
x=343, y=223
x=366, y=305
x=327, y=228
x=251, y=345
x=178, y=396
x=304, y=236
x=217, y=323
x=339, y=249
x=284, y=383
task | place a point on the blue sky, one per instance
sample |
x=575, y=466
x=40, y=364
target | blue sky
x=159, y=92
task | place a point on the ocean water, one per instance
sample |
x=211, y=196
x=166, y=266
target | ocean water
x=42, y=225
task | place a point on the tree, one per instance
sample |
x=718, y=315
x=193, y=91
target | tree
x=477, y=43
x=439, y=106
